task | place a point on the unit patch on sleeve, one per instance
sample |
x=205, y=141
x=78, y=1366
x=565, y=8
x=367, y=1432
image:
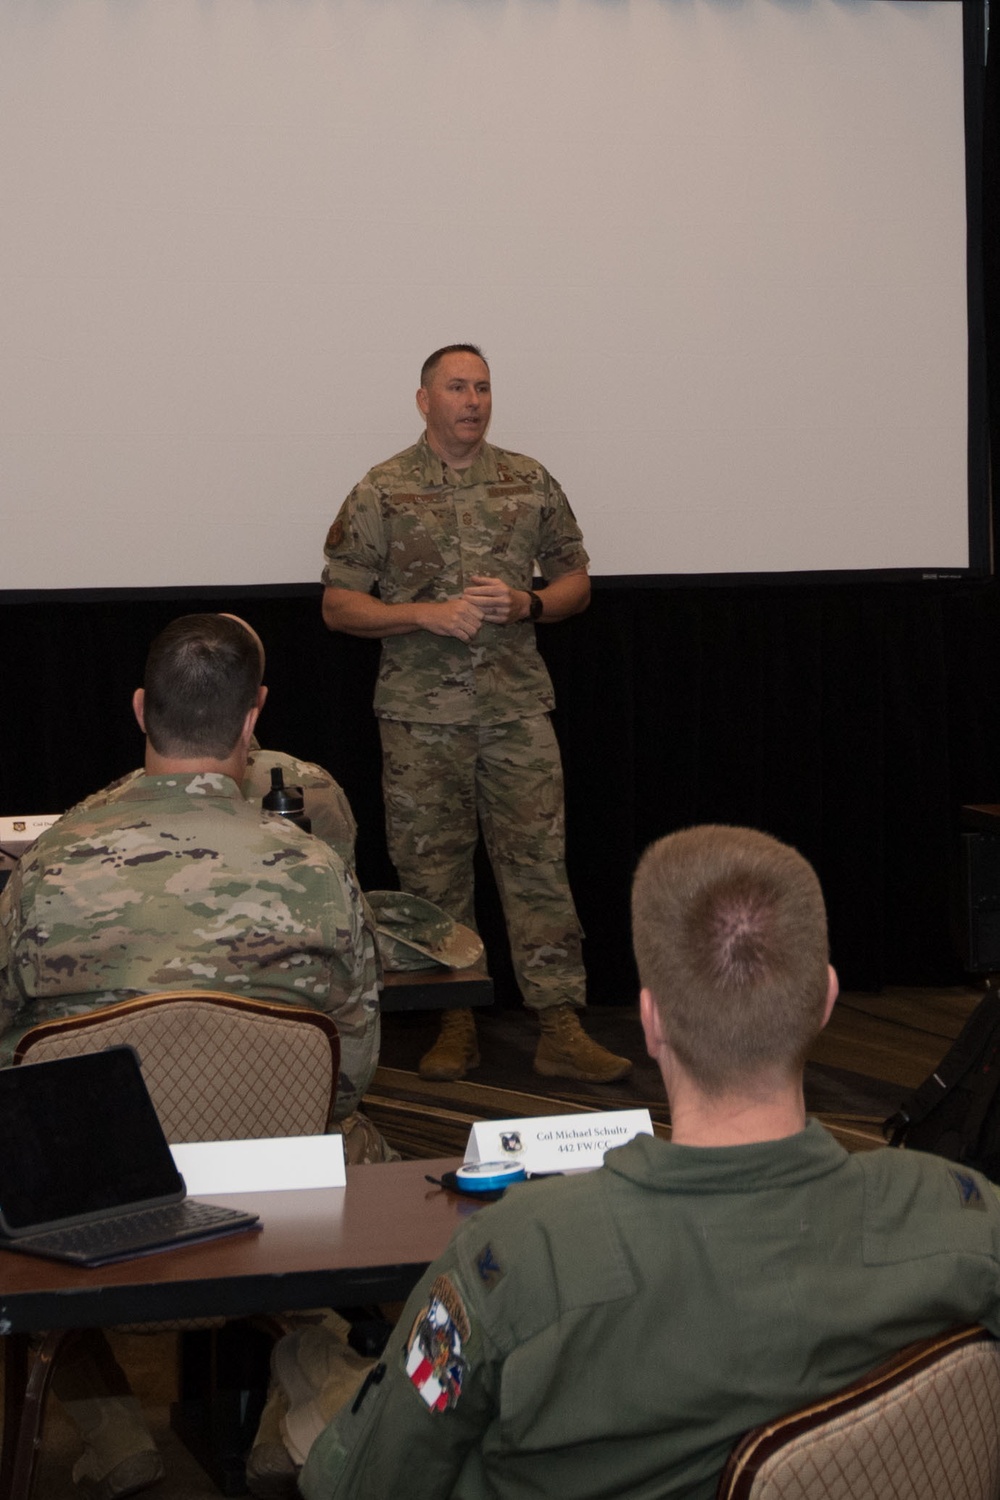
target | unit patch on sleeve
x=434, y=1359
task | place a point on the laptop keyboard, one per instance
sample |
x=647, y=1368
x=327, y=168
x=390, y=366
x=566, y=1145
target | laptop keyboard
x=126, y=1234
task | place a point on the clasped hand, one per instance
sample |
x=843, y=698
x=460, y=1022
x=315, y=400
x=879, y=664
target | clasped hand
x=498, y=602
x=485, y=599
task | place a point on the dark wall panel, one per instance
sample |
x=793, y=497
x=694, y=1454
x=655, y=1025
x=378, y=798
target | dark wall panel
x=852, y=721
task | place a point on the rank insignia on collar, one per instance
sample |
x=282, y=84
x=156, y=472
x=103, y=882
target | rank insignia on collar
x=489, y=1268
x=968, y=1189
x=434, y=1359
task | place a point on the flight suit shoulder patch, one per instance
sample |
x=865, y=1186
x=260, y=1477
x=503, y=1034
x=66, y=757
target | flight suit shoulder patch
x=433, y=1357
x=489, y=1269
x=968, y=1189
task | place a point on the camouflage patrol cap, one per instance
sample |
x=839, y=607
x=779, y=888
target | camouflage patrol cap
x=412, y=931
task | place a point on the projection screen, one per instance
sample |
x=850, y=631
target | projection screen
x=715, y=253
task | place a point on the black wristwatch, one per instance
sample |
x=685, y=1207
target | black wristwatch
x=535, y=606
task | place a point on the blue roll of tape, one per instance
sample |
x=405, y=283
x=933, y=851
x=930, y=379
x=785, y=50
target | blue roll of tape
x=489, y=1176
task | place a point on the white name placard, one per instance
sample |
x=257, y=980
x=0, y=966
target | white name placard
x=18, y=834
x=556, y=1143
x=291, y=1161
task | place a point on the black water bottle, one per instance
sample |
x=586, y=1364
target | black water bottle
x=287, y=801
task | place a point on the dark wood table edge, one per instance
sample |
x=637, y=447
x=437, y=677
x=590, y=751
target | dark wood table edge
x=24, y=1314
x=436, y=989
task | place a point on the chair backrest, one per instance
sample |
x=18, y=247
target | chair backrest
x=218, y=1067
x=923, y=1426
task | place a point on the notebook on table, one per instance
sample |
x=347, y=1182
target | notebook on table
x=86, y=1174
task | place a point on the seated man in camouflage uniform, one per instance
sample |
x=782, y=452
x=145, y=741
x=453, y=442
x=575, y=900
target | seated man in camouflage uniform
x=613, y=1333
x=326, y=805
x=173, y=881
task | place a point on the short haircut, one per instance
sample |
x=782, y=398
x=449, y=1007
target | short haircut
x=201, y=680
x=730, y=936
x=432, y=361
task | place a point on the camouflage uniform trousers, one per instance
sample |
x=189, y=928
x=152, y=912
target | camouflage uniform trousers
x=441, y=783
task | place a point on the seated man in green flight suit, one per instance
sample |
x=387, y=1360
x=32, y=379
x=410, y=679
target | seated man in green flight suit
x=611, y=1334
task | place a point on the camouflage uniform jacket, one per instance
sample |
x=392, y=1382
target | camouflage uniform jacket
x=613, y=1333
x=419, y=530
x=326, y=802
x=177, y=882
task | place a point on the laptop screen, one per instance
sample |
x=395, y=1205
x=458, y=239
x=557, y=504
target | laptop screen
x=79, y=1136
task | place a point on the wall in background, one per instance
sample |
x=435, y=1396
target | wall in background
x=851, y=721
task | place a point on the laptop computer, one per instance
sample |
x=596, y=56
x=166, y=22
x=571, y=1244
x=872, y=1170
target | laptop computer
x=86, y=1174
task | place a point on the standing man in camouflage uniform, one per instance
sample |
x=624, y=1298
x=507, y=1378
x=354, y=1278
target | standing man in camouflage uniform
x=173, y=880
x=450, y=531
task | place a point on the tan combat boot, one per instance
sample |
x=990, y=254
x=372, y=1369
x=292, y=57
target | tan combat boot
x=271, y=1472
x=314, y=1374
x=455, y=1051
x=566, y=1051
x=119, y=1456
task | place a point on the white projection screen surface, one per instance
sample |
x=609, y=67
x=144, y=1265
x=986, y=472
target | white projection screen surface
x=715, y=251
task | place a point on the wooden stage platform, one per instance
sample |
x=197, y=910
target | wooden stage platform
x=874, y=1051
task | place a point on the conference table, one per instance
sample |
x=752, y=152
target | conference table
x=366, y=1243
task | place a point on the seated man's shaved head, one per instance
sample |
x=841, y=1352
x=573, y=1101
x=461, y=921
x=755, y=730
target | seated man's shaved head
x=254, y=636
x=202, y=679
